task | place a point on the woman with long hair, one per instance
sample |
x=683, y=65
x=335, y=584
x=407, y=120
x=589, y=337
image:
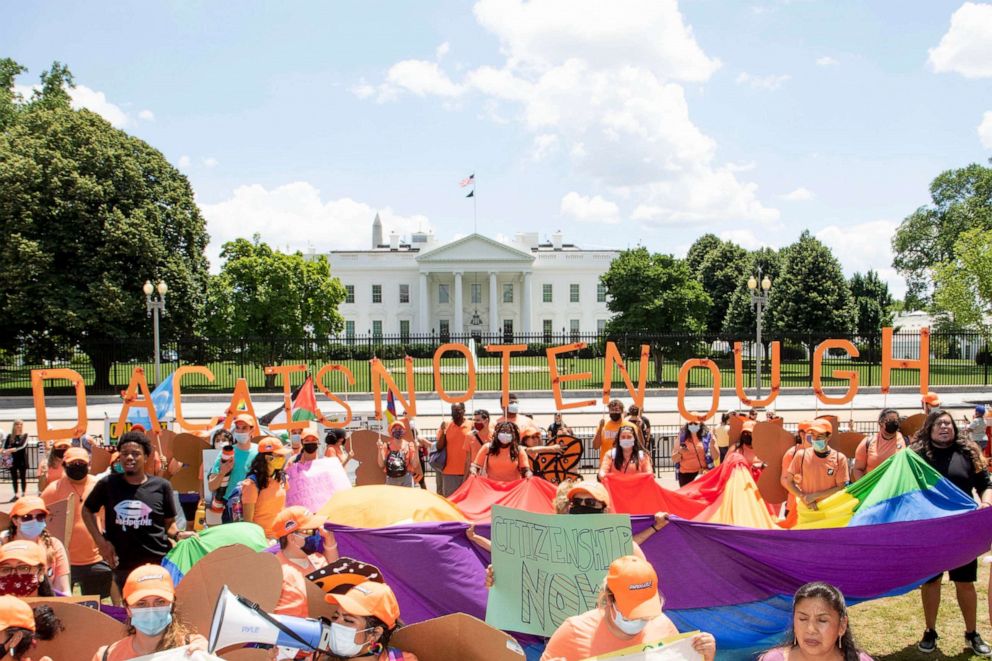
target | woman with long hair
x=820, y=628
x=29, y=521
x=15, y=457
x=960, y=461
x=628, y=456
x=696, y=451
x=51, y=469
x=502, y=459
x=263, y=492
x=23, y=572
x=152, y=622
x=24, y=626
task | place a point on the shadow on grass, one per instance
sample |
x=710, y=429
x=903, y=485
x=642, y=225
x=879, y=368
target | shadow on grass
x=946, y=649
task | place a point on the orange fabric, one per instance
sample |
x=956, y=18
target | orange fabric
x=587, y=634
x=268, y=502
x=812, y=473
x=740, y=503
x=608, y=436
x=640, y=493
x=500, y=467
x=82, y=548
x=873, y=451
x=123, y=649
x=691, y=457
x=457, y=438
x=381, y=505
x=293, y=598
x=473, y=443
x=630, y=467
x=477, y=495
x=58, y=559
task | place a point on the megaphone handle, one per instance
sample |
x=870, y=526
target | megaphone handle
x=274, y=622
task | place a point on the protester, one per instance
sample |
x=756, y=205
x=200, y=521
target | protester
x=744, y=448
x=398, y=458
x=24, y=570
x=502, y=460
x=304, y=547
x=643, y=425
x=530, y=441
x=558, y=427
x=52, y=470
x=21, y=627
x=29, y=521
x=606, y=433
x=309, y=447
x=236, y=469
x=930, y=401
x=87, y=568
x=453, y=438
x=628, y=457
x=695, y=453
x=512, y=413
x=338, y=443
x=961, y=462
x=819, y=471
x=366, y=618
x=976, y=427
x=722, y=436
x=628, y=613
x=80, y=439
x=820, y=628
x=152, y=622
x=481, y=434
x=263, y=492
x=16, y=457
x=875, y=449
x=139, y=512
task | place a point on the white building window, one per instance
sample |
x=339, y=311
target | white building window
x=349, y=293
x=508, y=330
x=405, y=330
x=573, y=293
x=548, y=328
x=546, y=294
x=476, y=292
x=377, y=293
x=349, y=329
x=404, y=293
x=573, y=327
x=444, y=327
x=442, y=294
x=601, y=326
x=601, y=293
x=508, y=293
x=377, y=329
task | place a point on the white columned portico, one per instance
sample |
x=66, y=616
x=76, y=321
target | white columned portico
x=425, y=323
x=459, y=305
x=526, y=304
x=493, y=305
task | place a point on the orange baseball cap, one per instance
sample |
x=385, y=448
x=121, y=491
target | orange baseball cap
x=748, y=426
x=272, y=445
x=396, y=423
x=76, y=454
x=369, y=598
x=245, y=418
x=822, y=426
x=931, y=398
x=62, y=443
x=27, y=504
x=296, y=518
x=14, y=613
x=138, y=427
x=148, y=581
x=634, y=585
x=24, y=550
x=594, y=489
x=805, y=425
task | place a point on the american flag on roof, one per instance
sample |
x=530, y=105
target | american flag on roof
x=467, y=180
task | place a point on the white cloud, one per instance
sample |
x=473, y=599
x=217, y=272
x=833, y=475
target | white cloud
x=745, y=238
x=801, y=194
x=826, y=61
x=147, y=115
x=863, y=247
x=210, y=162
x=184, y=161
x=295, y=214
x=594, y=209
x=419, y=77
x=966, y=47
x=985, y=130
x=442, y=50
x=769, y=82
x=363, y=90
x=544, y=144
x=746, y=166
x=84, y=97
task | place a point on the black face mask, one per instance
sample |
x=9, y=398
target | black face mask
x=891, y=426
x=310, y=448
x=458, y=418
x=77, y=471
x=585, y=509
x=60, y=453
x=615, y=417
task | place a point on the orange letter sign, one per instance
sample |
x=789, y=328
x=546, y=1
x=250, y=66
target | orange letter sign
x=241, y=395
x=380, y=374
x=287, y=402
x=850, y=375
x=613, y=358
x=177, y=399
x=38, y=378
x=739, y=376
x=136, y=385
x=319, y=379
x=506, y=350
x=715, y=395
x=556, y=379
x=439, y=383
x=921, y=363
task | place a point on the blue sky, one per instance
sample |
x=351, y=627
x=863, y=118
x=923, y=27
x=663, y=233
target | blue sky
x=648, y=121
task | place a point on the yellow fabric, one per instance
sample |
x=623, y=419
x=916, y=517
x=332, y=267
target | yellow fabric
x=378, y=506
x=740, y=504
x=833, y=512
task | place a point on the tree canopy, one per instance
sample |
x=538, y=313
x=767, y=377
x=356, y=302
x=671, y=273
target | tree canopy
x=963, y=285
x=721, y=273
x=873, y=302
x=739, y=317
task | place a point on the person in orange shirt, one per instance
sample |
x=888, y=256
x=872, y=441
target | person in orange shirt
x=791, y=515
x=530, y=441
x=606, y=433
x=152, y=623
x=52, y=470
x=502, y=460
x=744, y=448
x=29, y=521
x=818, y=471
x=628, y=457
x=22, y=626
x=304, y=547
x=23, y=570
x=454, y=437
x=875, y=449
x=695, y=453
x=628, y=614
x=87, y=567
x=398, y=458
x=512, y=413
x=366, y=618
x=263, y=492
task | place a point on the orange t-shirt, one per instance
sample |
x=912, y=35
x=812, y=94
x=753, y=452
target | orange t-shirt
x=501, y=467
x=457, y=438
x=82, y=548
x=268, y=502
x=812, y=473
x=873, y=451
x=293, y=598
x=123, y=649
x=643, y=465
x=609, y=436
x=692, y=457
x=790, y=454
x=588, y=634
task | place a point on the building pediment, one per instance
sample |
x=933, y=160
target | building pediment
x=475, y=248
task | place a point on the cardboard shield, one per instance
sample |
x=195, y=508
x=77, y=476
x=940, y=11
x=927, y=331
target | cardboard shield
x=86, y=631
x=846, y=442
x=340, y=575
x=363, y=444
x=736, y=424
x=557, y=468
x=188, y=449
x=457, y=636
x=770, y=443
x=60, y=517
x=911, y=425
x=99, y=460
x=317, y=606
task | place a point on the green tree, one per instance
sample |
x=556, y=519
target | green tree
x=721, y=273
x=963, y=285
x=9, y=101
x=873, y=302
x=961, y=200
x=739, y=318
x=276, y=300
x=700, y=250
x=811, y=294
x=88, y=214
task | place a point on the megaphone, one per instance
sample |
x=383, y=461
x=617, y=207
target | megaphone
x=238, y=621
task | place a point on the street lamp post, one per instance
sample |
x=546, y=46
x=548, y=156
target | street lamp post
x=154, y=306
x=759, y=298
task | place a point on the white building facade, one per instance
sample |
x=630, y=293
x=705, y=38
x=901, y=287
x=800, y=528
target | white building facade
x=473, y=285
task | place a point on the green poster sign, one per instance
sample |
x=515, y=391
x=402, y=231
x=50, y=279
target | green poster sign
x=548, y=567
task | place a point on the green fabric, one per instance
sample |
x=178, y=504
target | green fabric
x=189, y=551
x=903, y=472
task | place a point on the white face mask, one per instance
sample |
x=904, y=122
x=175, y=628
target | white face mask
x=241, y=436
x=343, y=640
x=629, y=627
x=512, y=409
x=626, y=443
x=504, y=437
x=295, y=438
x=693, y=428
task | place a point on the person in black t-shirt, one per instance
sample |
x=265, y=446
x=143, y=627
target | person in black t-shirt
x=961, y=462
x=139, y=511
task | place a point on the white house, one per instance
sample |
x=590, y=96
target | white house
x=471, y=285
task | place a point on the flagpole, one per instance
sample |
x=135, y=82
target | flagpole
x=475, y=209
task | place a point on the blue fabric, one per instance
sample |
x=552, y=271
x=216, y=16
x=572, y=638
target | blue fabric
x=942, y=499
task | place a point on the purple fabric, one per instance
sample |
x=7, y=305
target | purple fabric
x=702, y=565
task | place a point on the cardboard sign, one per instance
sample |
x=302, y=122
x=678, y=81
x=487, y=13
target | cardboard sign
x=99, y=460
x=86, y=631
x=209, y=458
x=340, y=575
x=317, y=606
x=178, y=654
x=457, y=636
x=770, y=443
x=312, y=483
x=911, y=425
x=846, y=442
x=676, y=648
x=256, y=576
x=550, y=567
x=188, y=449
x=363, y=444
x=60, y=518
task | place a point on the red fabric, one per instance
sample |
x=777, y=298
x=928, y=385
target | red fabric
x=707, y=488
x=641, y=494
x=477, y=495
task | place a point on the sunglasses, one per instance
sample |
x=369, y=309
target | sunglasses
x=35, y=517
x=19, y=569
x=588, y=502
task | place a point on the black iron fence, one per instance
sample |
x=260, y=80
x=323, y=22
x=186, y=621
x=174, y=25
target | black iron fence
x=955, y=359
